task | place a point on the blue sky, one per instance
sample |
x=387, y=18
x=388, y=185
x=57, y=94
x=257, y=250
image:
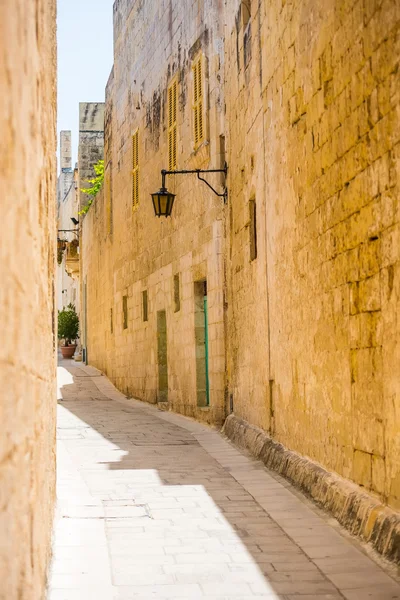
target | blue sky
x=85, y=57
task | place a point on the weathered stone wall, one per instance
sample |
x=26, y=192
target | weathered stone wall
x=155, y=42
x=312, y=96
x=67, y=207
x=65, y=151
x=310, y=235
x=27, y=265
x=91, y=143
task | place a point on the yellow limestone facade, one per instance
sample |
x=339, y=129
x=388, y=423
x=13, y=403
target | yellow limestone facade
x=302, y=263
x=313, y=139
x=27, y=267
x=145, y=279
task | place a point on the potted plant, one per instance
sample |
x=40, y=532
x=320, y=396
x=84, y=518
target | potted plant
x=68, y=329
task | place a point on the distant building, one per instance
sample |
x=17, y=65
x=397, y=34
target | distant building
x=67, y=209
x=91, y=144
x=90, y=152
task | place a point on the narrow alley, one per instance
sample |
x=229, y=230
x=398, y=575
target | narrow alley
x=154, y=505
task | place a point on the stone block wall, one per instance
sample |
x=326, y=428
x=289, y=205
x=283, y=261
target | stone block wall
x=314, y=138
x=156, y=42
x=27, y=266
x=65, y=151
x=91, y=144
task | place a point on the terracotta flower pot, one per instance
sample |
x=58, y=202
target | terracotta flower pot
x=68, y=351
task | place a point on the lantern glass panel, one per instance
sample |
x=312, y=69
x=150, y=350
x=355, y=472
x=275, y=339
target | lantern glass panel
x=154, y=197
x=163, y=202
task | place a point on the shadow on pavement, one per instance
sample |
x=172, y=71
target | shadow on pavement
x=201, y=523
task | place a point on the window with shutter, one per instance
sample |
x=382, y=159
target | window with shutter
x=198, y=102
x=172, y=125
x=135, y=170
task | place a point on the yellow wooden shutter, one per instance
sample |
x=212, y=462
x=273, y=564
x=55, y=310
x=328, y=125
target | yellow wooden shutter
x=198, y=102
x=172, y=125
x=135, y=170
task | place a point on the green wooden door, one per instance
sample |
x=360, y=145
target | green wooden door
x=207, y=350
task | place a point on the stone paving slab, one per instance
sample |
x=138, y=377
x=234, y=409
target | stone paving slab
x=154, y=505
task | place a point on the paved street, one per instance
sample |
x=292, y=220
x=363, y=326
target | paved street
x=153, y=505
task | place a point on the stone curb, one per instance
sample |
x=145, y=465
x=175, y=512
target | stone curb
x=361, y=514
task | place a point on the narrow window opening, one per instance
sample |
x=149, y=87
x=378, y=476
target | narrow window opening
x=245, y=13
x=253, y=229
x=111, y=321
x=222, y=157
x=246, y=27
x=177, y=295
x=145, y=305
x=125, y=311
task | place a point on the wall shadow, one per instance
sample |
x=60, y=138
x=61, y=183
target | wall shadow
x=154, y=444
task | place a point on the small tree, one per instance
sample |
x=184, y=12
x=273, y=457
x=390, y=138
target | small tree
x=97, y=183
x=68, y=324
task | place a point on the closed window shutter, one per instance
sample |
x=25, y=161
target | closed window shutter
x=198, y=118
x=200, y=100
x=172, y=126
x=135, y=170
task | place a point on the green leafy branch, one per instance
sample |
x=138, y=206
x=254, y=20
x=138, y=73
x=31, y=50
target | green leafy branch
x=96, y=185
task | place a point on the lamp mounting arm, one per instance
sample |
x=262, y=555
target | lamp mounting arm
x=198, y=172
x=211, y=187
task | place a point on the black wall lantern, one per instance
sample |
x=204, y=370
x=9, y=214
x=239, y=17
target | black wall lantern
x=163, y=200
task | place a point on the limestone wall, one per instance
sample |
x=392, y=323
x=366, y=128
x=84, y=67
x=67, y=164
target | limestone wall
x=302, y=264
x=312, y=96
x=156, y=42
x=91, y=144
x=27, y=265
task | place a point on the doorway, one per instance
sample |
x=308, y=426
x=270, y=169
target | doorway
x=202, y=343
x=162, y=357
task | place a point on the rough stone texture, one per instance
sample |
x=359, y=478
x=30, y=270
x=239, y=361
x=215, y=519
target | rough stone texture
x=27, y=265
x=361, y=514
x=314, y=137
x=91, y=143
x=65, y=151
x=155, y=42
